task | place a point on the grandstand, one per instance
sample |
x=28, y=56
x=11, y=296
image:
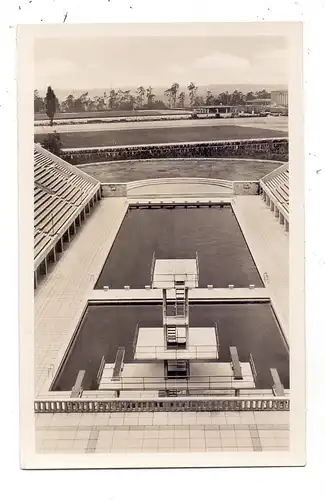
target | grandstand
x=275, y=193
x=63, y=195
x=93, y=362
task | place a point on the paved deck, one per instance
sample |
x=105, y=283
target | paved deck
x=61, y=298
x=201, y=344
x=162, y=432
x=206, y=294
x=150, y=376
x=269, y=245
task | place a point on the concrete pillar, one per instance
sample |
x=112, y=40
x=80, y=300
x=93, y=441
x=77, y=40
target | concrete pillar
x=35, y=279
x=272, y=205
x=268, y=201
x=54, y=255
x=286, y=225
x=84, y=213
x=45, y=265
x=276, y=211
x=281, y=218
x=68, y=235
x=61, y=245
x=74, y=227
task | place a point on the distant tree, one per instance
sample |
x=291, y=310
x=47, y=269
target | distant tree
x=224, y=98
x=198, y=101
x=192, y=89
x=80, y=104
x=99, y=103
x=105, y=99
x=181, y=100
x=263, y=94
x=39, y=104
x=53, y=143
x=51, y=104
x=210, y=100
x=174, y=89
x=112, y=99
x=158, y=104
x=141, y=92
x=150, y=97
x=250, y=96
x=236, y=98
x=168, y=94
x=68, y=104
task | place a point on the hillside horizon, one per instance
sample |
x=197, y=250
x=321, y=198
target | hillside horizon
x=159, y=91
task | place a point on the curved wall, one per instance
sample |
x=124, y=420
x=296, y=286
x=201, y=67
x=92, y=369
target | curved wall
x=267, y=149
x=172, y=187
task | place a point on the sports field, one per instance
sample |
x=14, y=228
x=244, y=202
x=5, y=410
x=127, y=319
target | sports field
x=232, y=170
x=111, y=114
x=161, y=135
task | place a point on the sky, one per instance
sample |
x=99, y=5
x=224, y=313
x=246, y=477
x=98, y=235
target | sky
x=110, y=62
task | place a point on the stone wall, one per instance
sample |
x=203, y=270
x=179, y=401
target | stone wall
x=246, y=188
x=266, y=149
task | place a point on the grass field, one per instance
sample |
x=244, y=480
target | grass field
x=152, y=169
x=160, y=135
x=108, y=114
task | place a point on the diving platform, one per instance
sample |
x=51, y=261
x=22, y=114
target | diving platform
x=167, y=272
x=201, y=344
x=152, y=377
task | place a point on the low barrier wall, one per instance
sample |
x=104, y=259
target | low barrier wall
x=163, y=405
x=246, y=188
x=266, y=149
x=193, y=187
x=114, y=190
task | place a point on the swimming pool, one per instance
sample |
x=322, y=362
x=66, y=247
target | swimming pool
x=250, y=326
x=178, y=233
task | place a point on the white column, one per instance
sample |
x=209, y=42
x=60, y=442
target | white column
x=281, y=218
x=276, y=211
x=45, y=266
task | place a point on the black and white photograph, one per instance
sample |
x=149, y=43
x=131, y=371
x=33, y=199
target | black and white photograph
x=162, y=168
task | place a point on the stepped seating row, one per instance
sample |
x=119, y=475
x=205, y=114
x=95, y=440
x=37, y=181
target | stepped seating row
x=41, y=240
x=52, y=213
x=279, y=186
x=59, y=194
x=44, y=161
x=63, y=183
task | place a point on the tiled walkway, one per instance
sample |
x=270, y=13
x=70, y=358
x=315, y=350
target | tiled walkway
x=163, y=432
x=269, y=245
x=60, y=300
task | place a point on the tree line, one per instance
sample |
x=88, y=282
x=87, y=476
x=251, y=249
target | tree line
x=143, y=98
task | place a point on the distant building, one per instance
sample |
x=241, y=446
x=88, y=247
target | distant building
x=256, y=106
x=279, y=98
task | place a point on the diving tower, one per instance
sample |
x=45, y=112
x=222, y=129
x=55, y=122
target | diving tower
x=176, y=357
